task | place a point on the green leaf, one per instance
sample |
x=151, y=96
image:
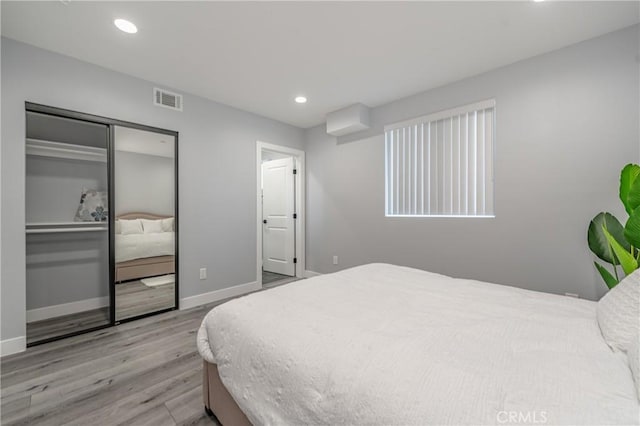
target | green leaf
x=628, y=178
x=627, y=261
x=632, y=228
x=609, y=279
x=633, y=199
x=598, y=241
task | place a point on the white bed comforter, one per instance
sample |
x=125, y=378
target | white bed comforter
x=137, y=246
x=382, y=345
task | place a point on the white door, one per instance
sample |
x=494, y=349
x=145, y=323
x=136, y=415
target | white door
x=278, y=207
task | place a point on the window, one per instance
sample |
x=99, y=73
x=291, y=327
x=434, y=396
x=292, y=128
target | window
x=441, y=164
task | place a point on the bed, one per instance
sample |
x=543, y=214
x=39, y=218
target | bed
x=384, y=344
x=141, y=255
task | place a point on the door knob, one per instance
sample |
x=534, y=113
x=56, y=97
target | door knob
x=264, y=221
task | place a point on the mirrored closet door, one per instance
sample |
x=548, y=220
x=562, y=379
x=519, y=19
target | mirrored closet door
x=145, y=222
x=101, y=222
x=67, y=228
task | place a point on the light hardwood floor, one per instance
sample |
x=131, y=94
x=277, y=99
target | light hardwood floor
x=143, y=372
x=271, y=279
x=134, y=298
x=67, y=324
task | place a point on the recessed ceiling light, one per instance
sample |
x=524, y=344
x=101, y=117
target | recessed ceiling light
x=301, y=100
x=538, y=1
x=126, y=26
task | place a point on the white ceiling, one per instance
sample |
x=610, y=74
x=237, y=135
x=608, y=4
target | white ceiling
x=259, y=56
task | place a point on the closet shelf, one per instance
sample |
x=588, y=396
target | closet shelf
x=59, y=227
x=44, y=148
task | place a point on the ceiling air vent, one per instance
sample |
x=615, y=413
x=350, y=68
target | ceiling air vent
x=167, y=99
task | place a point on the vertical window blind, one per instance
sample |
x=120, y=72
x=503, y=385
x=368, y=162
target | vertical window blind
x=441, y=164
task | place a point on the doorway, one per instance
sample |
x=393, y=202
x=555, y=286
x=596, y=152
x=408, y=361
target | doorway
x=280, y=214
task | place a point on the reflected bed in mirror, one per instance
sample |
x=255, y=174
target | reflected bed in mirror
x=145, y=264
x=145, y=224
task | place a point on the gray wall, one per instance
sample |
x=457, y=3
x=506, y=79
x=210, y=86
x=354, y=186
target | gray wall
x=144, y=183
x=567, y=122
x=63, y=268
x=53, y=187
x=66, y=268
x=216, y=159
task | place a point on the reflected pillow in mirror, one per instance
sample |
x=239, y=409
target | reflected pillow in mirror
x=128, y=227
x=167, y=224
x=151, y=226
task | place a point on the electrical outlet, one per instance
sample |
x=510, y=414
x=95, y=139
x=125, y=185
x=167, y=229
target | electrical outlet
x=335, y=260
x=203, y=273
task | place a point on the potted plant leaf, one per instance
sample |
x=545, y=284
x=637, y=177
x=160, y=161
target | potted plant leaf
x=618, y=245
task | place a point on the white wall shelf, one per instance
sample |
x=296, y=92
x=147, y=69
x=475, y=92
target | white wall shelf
x=62, y=227
x=44, y=148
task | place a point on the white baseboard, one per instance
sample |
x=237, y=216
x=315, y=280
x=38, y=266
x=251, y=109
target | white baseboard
x=309, y=274
x=214, y=296
x=66, y=309
x=13, y=346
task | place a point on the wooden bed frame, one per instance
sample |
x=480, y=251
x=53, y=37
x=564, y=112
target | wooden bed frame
x=148, y=266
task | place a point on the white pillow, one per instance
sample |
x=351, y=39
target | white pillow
x=130, y=226
x=118, y=227
x=634, y=361
x=618, y=313
x=167, y=224
x=151, y=226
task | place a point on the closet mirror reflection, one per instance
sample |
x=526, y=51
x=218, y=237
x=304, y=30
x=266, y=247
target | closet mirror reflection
x=145, y=222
